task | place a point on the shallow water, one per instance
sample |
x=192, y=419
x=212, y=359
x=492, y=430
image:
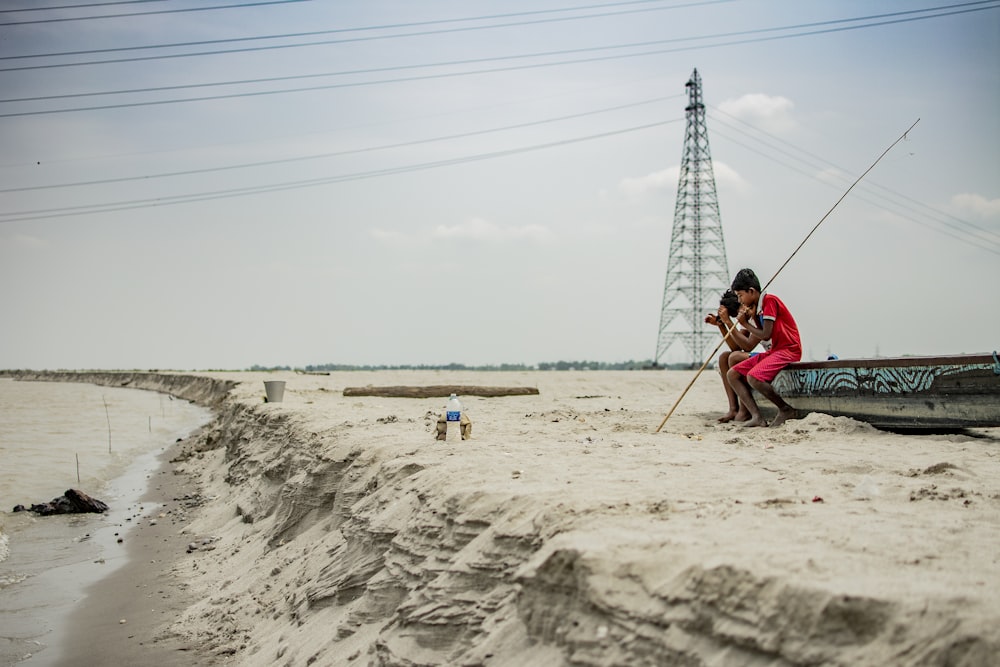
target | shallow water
x=47, y=562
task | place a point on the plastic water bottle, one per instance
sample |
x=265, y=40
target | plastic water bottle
x=453, y=414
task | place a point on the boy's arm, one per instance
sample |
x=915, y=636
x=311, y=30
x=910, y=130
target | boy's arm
x=757, y=332
x=765, y=333
x=724, y=327
x=768, y=328
x=731, y=341
x=741, y=339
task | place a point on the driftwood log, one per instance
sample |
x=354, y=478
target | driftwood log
x=71, y=502
x=443, y=390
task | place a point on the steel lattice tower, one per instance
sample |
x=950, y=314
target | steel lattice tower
x=697, y=271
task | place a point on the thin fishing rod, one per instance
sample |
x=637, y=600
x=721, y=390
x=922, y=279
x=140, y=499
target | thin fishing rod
x=782, y=267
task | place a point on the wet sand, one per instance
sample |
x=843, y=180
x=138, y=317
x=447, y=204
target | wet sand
x=87, y=575
x=124, y=618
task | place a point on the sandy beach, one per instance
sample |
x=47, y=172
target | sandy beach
x=335, y=530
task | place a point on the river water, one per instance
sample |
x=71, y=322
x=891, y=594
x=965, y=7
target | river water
x=105, y=441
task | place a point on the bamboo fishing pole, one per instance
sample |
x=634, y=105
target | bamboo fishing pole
x=782, y=267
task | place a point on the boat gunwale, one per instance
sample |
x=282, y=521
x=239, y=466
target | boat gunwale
x=896, y=362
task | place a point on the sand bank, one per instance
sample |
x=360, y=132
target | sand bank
x=335, y=530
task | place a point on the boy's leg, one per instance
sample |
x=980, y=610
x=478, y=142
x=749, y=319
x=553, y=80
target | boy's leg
x=734, y=404
x=763, y=374
x=742, y=414
x=742, y=389
x=785, y=411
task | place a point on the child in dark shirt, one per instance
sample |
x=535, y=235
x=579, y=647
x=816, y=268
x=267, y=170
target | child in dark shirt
x=740, y=344
x=778, y=326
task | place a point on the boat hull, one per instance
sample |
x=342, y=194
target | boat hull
x=959, y=391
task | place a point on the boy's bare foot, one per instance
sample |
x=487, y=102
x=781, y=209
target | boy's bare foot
x=742, y=416
x=755, y=421
x=787, y=412
x=728, y=417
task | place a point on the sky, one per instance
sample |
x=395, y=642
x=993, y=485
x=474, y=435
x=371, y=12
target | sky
x=483, y=182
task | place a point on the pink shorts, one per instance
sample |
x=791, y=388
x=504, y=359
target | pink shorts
x=766, y=366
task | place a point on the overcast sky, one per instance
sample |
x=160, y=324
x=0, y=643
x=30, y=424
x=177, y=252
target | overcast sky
x=483, y=182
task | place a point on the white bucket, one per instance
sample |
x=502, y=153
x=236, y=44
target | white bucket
x=275, y=390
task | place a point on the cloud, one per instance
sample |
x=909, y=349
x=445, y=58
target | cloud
x=388, y=236
x=25, y=241
x=478, y=229
x=663, y=180
x=976, y=205
x=833, y=176
x=772, y=113
x=729, y=177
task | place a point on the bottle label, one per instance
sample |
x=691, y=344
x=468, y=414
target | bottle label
x=454, y=415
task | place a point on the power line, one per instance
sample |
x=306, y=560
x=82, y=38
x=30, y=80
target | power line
x=91, y=4
x=464, y=29
x=937, y=224
x=815, y=163
x=959, y=9
x=493, y=105
x=555, y=63
x=17, y=216
x=348, y=30
x=944, y=217
x=368, y=149
x=241, y=5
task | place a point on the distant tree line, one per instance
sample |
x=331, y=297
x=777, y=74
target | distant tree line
x=630, y=365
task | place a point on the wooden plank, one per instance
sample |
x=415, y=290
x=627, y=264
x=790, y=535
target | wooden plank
x=434, y=391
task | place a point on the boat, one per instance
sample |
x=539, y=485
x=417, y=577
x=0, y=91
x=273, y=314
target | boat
x=949, y=392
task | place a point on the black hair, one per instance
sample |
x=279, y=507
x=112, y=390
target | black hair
x=731, y=303
x=745, y=280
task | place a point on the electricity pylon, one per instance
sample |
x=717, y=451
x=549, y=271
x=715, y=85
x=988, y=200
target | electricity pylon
x=697, y=270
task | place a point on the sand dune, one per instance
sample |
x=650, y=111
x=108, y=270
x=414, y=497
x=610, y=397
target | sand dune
x=336, y=530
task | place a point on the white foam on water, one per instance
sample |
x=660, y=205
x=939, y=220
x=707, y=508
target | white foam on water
x=4, y=550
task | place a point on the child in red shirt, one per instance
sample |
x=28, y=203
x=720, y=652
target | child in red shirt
x=758, y=371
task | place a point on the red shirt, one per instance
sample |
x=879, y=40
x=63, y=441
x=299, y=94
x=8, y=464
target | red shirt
x=784, y=333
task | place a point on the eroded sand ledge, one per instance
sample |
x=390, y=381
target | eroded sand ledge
x=568, y=533
x=201, y=389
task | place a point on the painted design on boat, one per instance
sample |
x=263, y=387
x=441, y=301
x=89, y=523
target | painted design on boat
x=869, y=380
x=957, y=391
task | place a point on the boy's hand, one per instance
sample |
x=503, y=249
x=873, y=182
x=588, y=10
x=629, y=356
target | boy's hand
x=746, y=312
